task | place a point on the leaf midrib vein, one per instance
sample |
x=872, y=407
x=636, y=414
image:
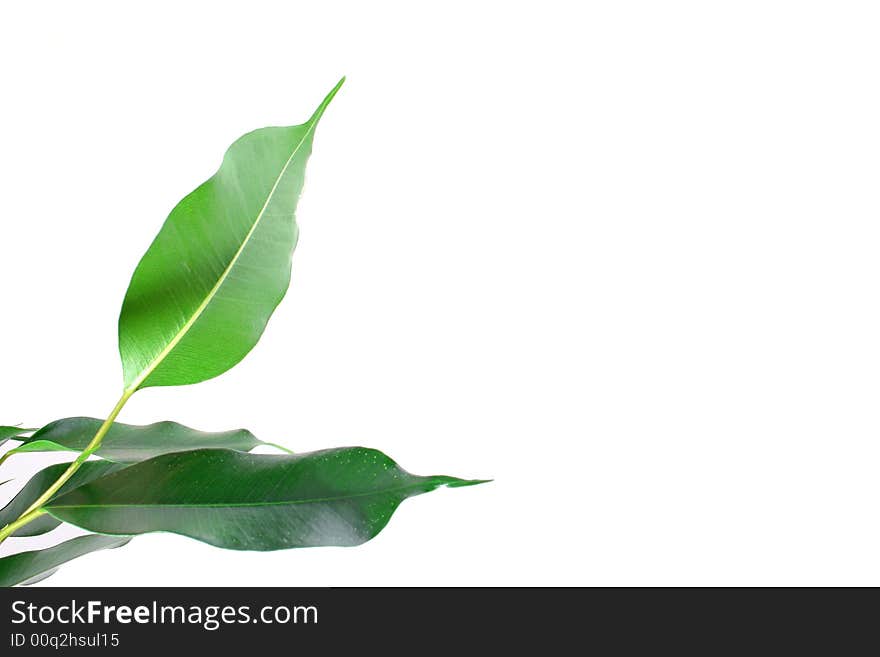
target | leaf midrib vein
x=235, y=505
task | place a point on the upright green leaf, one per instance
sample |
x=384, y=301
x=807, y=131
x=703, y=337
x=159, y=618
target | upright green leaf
x=250, y=502
x=89, y=471
x=201, y=296
x=128, y=443
x=31, y=567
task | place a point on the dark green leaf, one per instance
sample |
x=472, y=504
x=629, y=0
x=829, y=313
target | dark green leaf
x=89, y=471
x=127, y=443
x=203, y=293
x=30, y=567
x=250, y=502
x=39, y=578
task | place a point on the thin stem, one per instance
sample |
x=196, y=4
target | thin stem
x=281, y=447
x=13, y=527
x=34, y=511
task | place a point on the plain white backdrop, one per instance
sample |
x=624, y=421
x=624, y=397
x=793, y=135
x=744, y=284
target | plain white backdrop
x=619, y=256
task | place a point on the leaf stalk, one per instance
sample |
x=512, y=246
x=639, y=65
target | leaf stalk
x=25, y=518
x=35, y=510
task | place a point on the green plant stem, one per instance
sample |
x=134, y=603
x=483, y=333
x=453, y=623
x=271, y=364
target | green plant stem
x=13, y=527
x=34, y=511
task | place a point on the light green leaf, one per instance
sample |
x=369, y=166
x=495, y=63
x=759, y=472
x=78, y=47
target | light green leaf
x=31, y=567
x=34, y=446
x=248, y=501
x=12, y=432
x=203, y=293
x=127, y=443
x=89, y=471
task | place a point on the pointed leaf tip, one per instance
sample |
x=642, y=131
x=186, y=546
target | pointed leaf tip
x=324, y=103
x=461, y=483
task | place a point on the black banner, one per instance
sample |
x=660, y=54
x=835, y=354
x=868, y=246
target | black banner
x=406, y=620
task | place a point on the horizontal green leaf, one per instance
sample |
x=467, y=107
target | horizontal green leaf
x=12, y=432
x=204, y=291
x=250, y=502
x=36, y=579
x=31, y=567
x=89, y=471
x=127, y=443
x=34, y=446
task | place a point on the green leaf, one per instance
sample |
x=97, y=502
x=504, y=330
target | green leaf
x=39, y=578
x=203, y=293
x=34, y=446
x=31, y=567
x=127, y=443
x=248, y=501
x=11, y=432
x=89, y=471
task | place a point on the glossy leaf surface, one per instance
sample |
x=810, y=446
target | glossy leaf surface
x=31, y=567
x=89, y=471
x=127, y=443
x=203, y=293
x=243, y=501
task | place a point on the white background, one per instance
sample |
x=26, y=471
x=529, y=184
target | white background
x=622, y=257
